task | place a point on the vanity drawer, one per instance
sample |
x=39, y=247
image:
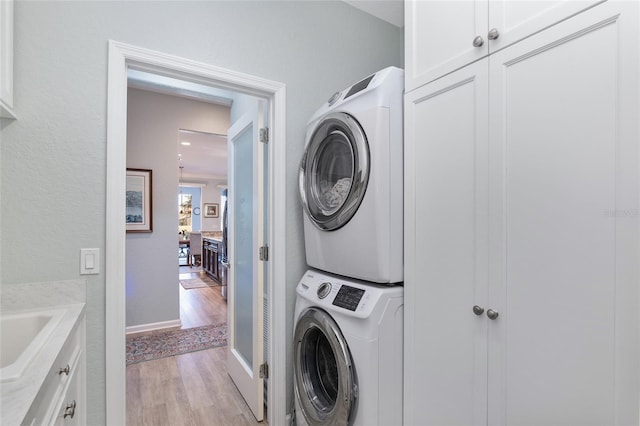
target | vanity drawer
x=66, y=376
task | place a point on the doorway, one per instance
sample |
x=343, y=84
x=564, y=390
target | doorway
x=121, y=58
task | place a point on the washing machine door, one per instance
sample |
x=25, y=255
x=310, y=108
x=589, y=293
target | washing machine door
x=325, y=379
x=334, y=171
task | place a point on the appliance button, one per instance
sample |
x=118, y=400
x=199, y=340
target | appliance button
x=324, y=290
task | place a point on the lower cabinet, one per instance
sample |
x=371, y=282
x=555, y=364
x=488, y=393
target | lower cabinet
x=61, y=400
x=210, y=258
x=521, y=232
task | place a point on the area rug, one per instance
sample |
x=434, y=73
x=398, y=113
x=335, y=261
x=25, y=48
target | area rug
x=158, y=345
x=205, y=281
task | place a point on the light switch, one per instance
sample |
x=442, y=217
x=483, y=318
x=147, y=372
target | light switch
x=89, y=261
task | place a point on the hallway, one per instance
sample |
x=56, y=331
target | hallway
x=193, y=388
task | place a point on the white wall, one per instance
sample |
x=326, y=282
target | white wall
x=153, y=122
x=211, y=194
x=53, y=158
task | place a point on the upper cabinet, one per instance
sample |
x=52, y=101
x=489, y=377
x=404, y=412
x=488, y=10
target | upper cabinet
x=443, y=36
x=6, y=59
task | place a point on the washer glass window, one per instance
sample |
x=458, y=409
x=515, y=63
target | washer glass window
x=334, y=171
x=325, y=380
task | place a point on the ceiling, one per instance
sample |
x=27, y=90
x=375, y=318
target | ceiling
x=205, y=156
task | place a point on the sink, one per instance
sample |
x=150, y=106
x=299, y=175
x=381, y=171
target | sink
x=22, y=335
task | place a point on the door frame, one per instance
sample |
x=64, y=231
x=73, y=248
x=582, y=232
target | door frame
x=121, y=58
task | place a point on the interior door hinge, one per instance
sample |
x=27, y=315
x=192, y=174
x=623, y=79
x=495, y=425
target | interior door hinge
x=264, y=135
x=264, y=252
x=264, y=371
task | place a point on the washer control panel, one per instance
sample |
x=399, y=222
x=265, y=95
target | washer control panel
x=348, y=297
x=324, y=289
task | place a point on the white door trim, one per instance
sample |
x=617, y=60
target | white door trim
x=122, y=57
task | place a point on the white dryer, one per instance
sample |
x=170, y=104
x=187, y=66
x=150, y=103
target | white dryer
x=351, y=181
x=347, y=352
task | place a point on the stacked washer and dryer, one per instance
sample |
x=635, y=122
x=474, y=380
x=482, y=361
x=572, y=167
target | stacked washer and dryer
x=348, y=334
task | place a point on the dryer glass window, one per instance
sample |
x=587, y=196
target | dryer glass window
x=333, y=171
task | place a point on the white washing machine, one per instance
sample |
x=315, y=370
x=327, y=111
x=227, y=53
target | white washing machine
x=347, y=352
x=351, y=181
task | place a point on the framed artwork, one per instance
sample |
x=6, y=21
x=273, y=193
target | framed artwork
x=211, y=210
x=139, y=208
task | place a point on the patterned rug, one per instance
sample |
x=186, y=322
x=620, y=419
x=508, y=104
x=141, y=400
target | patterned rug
x=147, y=347
x=201, y=282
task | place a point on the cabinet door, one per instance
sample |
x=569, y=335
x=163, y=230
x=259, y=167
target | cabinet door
x=440, y=35
x=439, y=38
x=564, y=223
x=446, y=202
x=516, y=20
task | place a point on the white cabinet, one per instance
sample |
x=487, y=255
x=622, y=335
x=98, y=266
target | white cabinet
x=6, y=59
x=446, y=237
x=442, y=36
x=61, y=399
x=522, y=186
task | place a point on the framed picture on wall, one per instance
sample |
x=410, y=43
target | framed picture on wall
x=211, y=210
x=139, y=208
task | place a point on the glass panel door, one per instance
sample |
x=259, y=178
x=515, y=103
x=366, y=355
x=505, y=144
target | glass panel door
x=245, y=205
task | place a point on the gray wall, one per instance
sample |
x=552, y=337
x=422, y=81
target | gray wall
x=153, y=121
x=53, y=158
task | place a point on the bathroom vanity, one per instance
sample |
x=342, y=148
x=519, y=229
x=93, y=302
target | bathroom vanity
x=43, y=360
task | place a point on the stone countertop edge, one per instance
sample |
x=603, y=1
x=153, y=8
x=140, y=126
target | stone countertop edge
x=217, y=239
x=17, y=396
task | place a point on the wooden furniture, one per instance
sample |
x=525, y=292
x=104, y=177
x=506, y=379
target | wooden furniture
x=521, y=224
x=210, y=257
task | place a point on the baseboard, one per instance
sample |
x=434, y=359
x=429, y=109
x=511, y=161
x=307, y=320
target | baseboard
x=153, y=326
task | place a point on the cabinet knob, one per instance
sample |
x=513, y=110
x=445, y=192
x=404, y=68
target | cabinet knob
x=70, y=410
x=64, y=370
x=478, y=41
x=493, y=34
x=492, y=314
x=478, y=310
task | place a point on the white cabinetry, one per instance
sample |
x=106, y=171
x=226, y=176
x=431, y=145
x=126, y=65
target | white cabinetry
x=6, y=59
x=442, y=36
x=61, y=399
x=446, y=237
x=522, y=185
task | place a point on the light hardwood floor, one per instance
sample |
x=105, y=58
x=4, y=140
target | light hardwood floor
x=190, y=389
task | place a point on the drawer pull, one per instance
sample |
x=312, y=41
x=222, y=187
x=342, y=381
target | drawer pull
x=64, y=370
x=70, y=410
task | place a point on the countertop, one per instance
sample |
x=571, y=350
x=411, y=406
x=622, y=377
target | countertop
x=18, y=395
x=212, y=238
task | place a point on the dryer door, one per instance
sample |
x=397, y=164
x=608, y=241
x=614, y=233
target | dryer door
x=334, y=171
x=325, y=379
